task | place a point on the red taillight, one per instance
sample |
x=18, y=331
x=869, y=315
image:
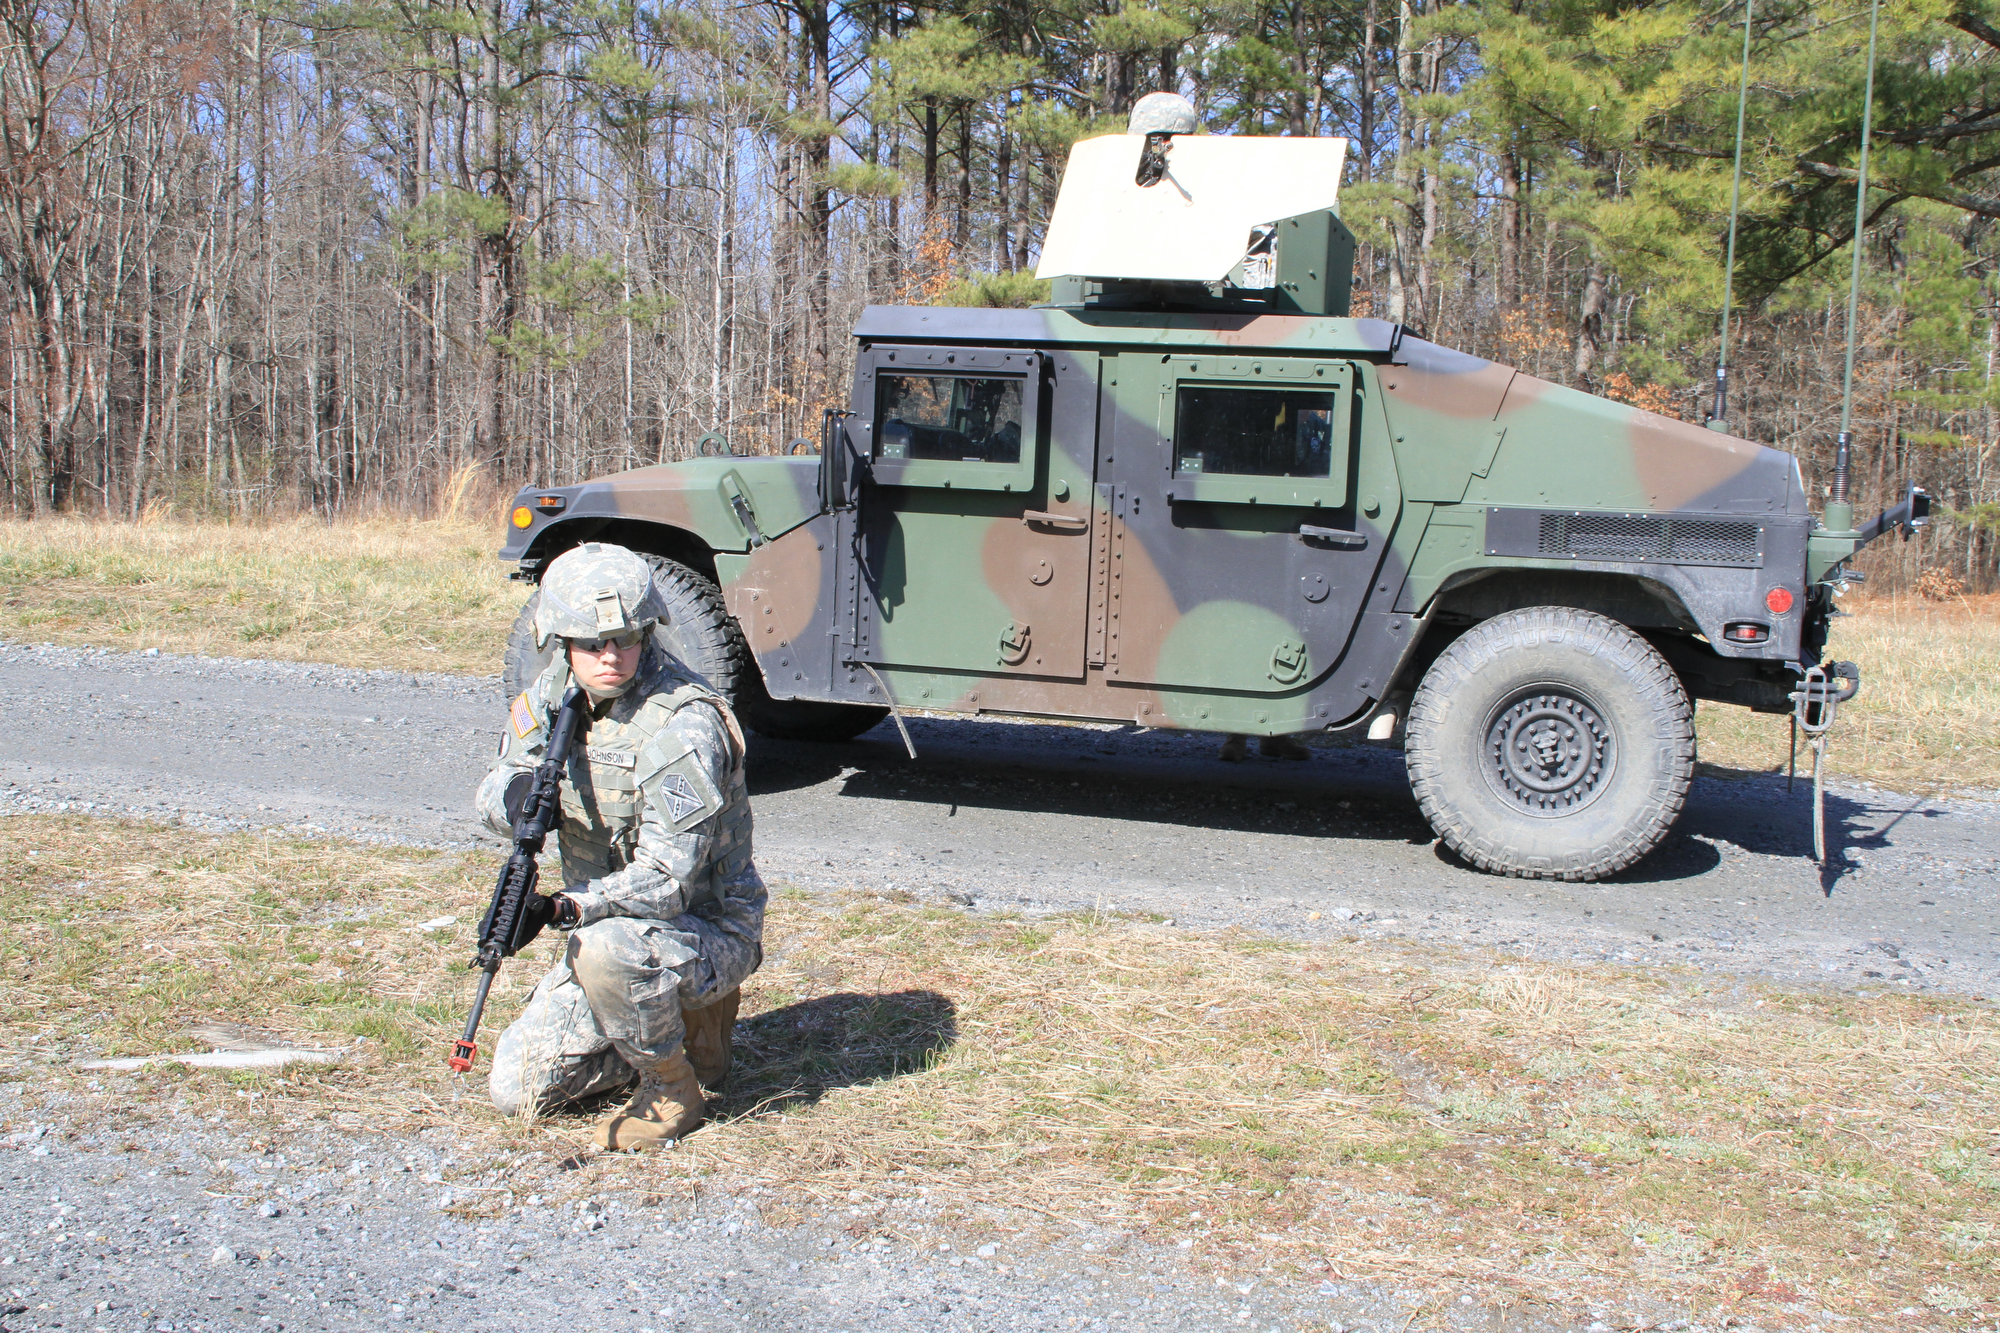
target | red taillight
x=1779, y=600
x=1746, y=631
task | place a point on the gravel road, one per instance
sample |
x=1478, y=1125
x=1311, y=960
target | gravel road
x=1047, y=816
x=188, y=1225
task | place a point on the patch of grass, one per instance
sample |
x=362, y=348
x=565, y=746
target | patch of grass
x=404, y=594
x=1927, y=718
x=1288, y=1107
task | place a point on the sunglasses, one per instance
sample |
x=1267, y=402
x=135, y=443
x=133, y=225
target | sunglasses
x=629, y=639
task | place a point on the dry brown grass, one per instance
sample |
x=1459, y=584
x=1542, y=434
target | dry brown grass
x=415, y=595
x=1928, y=715
x=1364, y=1109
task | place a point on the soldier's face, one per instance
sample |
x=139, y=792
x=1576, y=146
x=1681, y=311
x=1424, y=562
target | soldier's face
x=606, y=668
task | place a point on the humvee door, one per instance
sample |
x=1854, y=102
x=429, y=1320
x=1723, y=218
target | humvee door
x=975, y=521
x=1252, y=506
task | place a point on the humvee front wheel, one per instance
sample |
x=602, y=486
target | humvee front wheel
x=1551, y=743
x=700, y=631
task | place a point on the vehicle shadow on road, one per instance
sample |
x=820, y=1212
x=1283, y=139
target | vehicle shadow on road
x=1759, y=815
x=1111, y=773
x=789, y=1057
x=1678, y=857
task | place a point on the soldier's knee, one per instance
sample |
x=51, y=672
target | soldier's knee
x=505, y=1081
x=596, y=958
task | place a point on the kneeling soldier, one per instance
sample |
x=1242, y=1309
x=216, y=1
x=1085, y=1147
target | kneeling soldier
x=662, y=905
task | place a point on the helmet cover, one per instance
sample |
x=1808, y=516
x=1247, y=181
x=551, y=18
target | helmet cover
x=596, y=591
x=1163, y=113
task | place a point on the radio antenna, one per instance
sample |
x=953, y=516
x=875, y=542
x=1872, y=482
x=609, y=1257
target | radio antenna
x=1839, y=509
x=1719, y=417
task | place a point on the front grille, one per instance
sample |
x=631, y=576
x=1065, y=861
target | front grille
x=1652, y=537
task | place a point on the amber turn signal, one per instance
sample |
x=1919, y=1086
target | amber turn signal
x=523, y=516
x=1779, y=600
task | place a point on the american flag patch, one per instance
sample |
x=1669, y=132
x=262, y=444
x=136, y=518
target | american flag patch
x=526, y=722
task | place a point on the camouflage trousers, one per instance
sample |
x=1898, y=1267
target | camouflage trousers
x=614, y=1001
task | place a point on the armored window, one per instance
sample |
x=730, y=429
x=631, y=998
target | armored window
x=1222, y=431
x=957, y=418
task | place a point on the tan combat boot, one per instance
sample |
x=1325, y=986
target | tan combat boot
x=668, y=1105
x=709, y=1031
x=1234, y=750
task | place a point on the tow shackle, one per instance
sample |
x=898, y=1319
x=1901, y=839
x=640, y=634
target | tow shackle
x=1820, y=693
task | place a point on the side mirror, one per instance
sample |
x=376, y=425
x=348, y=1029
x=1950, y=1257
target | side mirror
x=1919, y=501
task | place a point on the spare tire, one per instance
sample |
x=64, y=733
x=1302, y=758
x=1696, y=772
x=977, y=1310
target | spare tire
x=1551, y=743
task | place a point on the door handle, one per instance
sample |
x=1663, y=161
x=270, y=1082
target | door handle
x=1337, y=537
x=1067, y=522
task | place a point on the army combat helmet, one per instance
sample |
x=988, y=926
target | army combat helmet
x=597, y=591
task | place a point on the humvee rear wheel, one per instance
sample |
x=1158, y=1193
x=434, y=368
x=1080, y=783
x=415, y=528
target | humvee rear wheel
x=1551, y=743
x=698, y=630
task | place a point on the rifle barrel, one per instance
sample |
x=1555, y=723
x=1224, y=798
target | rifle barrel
x=466, y=1050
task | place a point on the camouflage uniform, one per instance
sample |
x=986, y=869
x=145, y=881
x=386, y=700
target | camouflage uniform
x=655, y=844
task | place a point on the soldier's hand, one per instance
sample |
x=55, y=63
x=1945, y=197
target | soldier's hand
x=537, y=912
x=515, y=798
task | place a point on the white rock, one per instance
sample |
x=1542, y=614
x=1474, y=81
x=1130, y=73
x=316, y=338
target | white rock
x=223, y=1255
x=268, y=1059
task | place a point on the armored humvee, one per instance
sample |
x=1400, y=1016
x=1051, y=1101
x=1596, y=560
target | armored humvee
x=1191, y=492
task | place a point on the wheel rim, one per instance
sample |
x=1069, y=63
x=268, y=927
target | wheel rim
x=1549, y=751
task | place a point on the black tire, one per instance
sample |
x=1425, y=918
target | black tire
x=1497, y=758
x=698, y=630
x=701, y=632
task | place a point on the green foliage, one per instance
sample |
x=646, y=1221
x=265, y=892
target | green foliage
x=863, y=180
x=1007, y=291
x=590, y=292
x=948, y=60
x=1138, y=28
x=1983, y=517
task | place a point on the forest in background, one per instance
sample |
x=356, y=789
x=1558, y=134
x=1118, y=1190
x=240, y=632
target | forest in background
x=264, y=256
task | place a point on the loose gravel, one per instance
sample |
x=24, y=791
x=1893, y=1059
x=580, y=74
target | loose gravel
x=190, y=1226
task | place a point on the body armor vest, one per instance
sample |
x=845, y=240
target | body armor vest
x=602, y=797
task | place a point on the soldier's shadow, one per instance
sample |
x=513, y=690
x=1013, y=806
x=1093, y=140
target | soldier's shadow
x=790, y=1057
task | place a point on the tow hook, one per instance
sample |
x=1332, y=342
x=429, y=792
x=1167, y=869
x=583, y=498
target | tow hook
x=1815, y=703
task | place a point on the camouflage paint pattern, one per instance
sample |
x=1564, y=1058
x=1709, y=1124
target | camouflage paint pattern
x=1094, y=579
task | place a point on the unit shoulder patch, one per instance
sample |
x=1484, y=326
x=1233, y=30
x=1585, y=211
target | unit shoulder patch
x=526, y=720
x=683, y=792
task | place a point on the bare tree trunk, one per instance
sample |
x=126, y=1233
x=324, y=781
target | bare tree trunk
x=1003, y=168
x=1509, y=229
x=1590, y=321
x=1403, y=238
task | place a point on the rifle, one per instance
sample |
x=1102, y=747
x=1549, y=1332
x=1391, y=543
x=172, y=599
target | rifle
x=500, y=932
